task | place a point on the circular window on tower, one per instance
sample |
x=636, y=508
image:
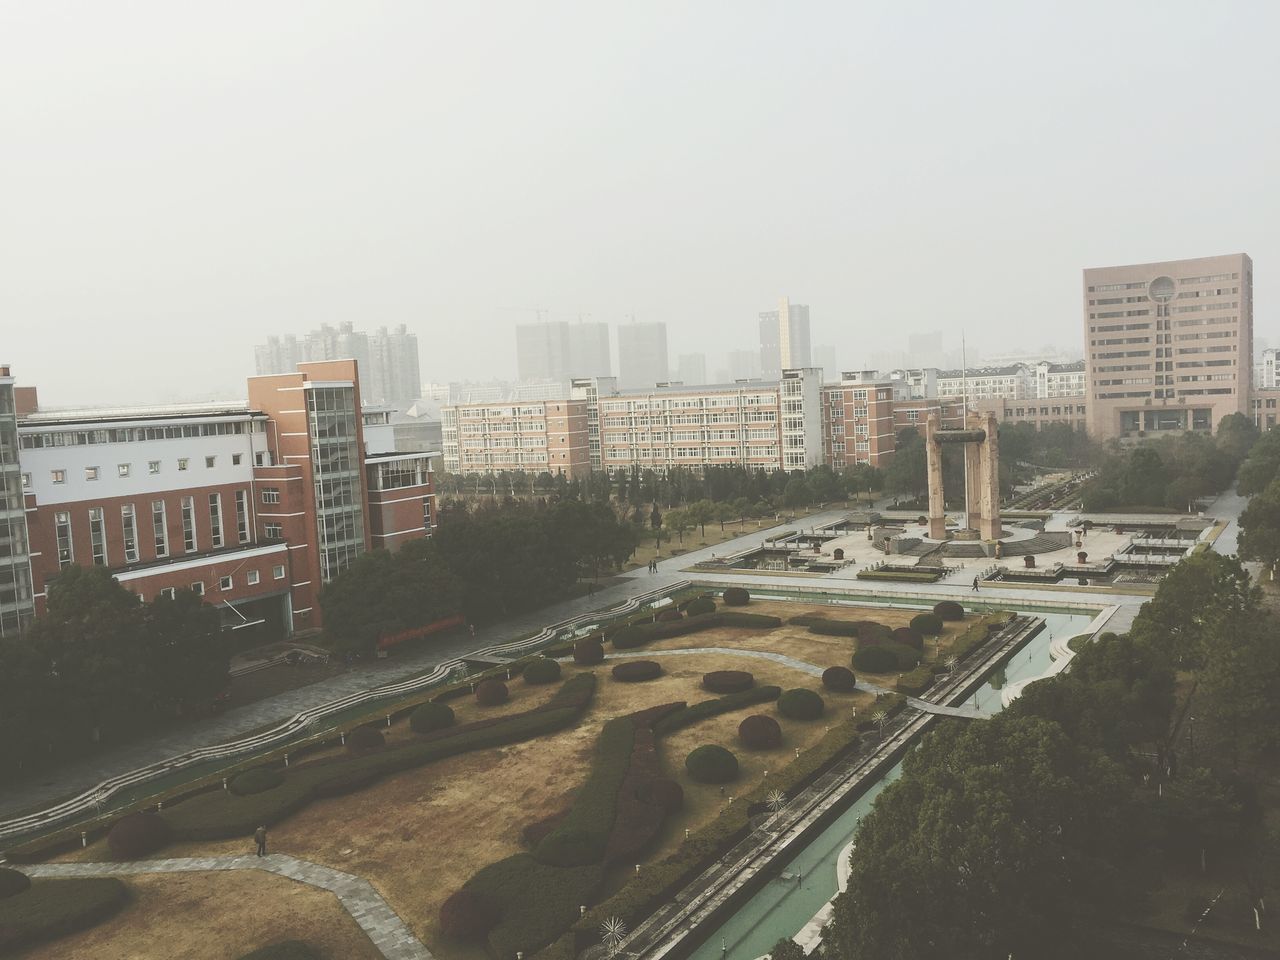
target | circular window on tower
x=1161, y=289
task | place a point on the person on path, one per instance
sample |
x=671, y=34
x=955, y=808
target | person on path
x=260, y=837
x=975, y=584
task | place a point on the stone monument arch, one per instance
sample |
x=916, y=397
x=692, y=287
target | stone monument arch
x=981, y=474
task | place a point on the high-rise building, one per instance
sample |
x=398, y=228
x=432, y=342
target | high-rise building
x=1169, y=346
x=743, y=365
x=925, y=349
x=642, y=355
x=691, y=368
x=589, y=350
x=388, y=360
x=17, y=605
x=558, y=350
x=784, y=339
x=824, y=358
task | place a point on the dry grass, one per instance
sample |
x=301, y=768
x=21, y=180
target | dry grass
x=214, y=916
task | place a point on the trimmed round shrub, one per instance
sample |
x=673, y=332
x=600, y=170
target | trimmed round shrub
x=135, y=835
x=927, y=624
x=758, y=732
x=13, y=882
x=635, y=671
x=492, y=692
x=668, y=614
x=468, y=915
x=736, y=597
x=908, y=638
x=801, y=704
x=588, y=651
x=430, y=717
x=667, y=794
x=728, y=681
x=711, y=763
x=905, y=658
x=257, y=780
x=949, y=610
x=870, y=632
x=874, y=660
x=542, y=670
x=628, y=638
x=365, y=740
x=700, y=606
x=839, y=679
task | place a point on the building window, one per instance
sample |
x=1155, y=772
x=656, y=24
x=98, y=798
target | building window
x=97, y=537
x=153, y=466
x=91, y=473
x=209, y=462
x=225, y=584
x=169, y=592
x=215, y=519
x=158, y=528
x=252, y=577
x=26, y=481
x=277, y=572
x=130, y=524
x=273, y=531
x=58, y=476
x=62, y=531
x=270, y=494
x=122, y=469
x=235, y=459
x=183, y=463
x=198, y=588
x=242, y=515
x=189, y=524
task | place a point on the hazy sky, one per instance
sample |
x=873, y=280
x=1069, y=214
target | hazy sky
x=181, y=179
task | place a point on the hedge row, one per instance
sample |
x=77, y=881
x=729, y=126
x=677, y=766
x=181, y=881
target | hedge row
x=285, y=950
x=728, y=681
x=641, y=805
x=977, y=633
x=832, y=628
x=218, y=815
x=638, y=634
x=537, y=902
x=53, y=908
x=915, y=682
x=700, y=605
x=710, y=708
x=885, y=658
x=901, y=576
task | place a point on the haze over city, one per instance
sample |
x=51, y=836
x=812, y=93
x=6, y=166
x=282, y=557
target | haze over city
x=182, y=182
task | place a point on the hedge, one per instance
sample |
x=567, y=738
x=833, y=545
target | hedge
x=285, y=950
x=639, y=814
x=711, y=763
x=871, y=632
x=12, y=882
x=532, y=833
x=728, y=681
x=256, y=780
x=668, y=615
x=135, y=835
x=492, y=692
x=833, y=628
x=949, y=610
x=711, y=708
x=431, y=716
x=839, y=679
x=638, y=634
x=909, y=638
x=220, y=815
x=736, y=597
x=760, y=732
x=366, y=739
x=900, y=576
x=541, y=670
x=915, y=682
x=801, y=704
x=588, y=651
x=637, y=671
x=538, y=901
x=700, y=605
x=927, y=624
x=874, y=660
x=468, y=915
x=664, y=793
x=54, y=908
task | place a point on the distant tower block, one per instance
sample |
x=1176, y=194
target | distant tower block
x=981, y=474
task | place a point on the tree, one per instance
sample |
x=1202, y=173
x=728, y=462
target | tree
x=908, y=470
x=797, y=493
x=700, y=513
x=1197, y=814
x=1260, y=527
x=678, y=521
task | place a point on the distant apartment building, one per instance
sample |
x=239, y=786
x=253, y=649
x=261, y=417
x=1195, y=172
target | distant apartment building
x=17, y=603
x=1057, y=380
x=691, y=368
x=1013, y=382
x=252, y=505
x=1265, y=375
x=388, y=359
x=742, y=365
x=824, y=358
x=784, y=339
x=643, y=361
x=1169, y=344
x=559, y=350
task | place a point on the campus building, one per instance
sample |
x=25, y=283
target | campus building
x=545, y=436
x=17, y=605
x=1169, y=346
x=252, y=505
x=863, y=413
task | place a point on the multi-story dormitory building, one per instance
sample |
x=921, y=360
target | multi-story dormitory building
x=253, y=505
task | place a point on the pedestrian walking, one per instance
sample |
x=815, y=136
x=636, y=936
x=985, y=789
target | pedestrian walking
x=472, y=628
x=975, y=584
x=260, y=837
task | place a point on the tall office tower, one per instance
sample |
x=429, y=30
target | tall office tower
x=824, y=358
x=691, y=369
x=784, y=339
x=642, y=355
x=1168, y=346
x=588, y=350
x=743, y=365
x=17, y=605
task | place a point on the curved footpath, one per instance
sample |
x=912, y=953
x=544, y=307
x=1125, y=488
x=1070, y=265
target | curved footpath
x=357, y=896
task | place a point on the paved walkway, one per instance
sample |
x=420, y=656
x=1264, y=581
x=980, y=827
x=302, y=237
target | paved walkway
x=374, y=915
x=802, y=666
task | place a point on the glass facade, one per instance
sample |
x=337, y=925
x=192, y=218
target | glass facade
x=336, y=462
x=16, y=603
